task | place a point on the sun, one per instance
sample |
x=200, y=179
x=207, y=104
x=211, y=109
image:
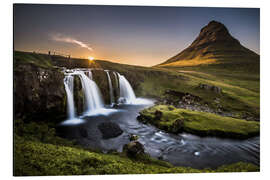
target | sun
x=90, y=58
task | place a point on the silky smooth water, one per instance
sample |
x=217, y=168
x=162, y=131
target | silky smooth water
x=93, y=98
x=110, y=87
x=68, y=82
x=181, y=150
x=127, y=94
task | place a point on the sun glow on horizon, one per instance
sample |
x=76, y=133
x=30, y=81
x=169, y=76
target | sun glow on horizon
x=90, y=58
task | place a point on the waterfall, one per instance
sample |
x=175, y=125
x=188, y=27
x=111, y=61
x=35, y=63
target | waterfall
x=93, y=98
x=90, y=75
x=68, y=82
x=126, y=92
x=93, y=101
x=110, y=87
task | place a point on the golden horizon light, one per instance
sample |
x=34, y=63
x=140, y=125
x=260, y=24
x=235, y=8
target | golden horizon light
x=90, y=58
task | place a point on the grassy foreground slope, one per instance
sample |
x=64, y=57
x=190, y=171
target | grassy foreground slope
x=175, y=120
x=35, y=159
x=38, y=151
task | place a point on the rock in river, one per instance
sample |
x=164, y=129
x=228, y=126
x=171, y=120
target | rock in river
x=110, y=130
x=133, y=149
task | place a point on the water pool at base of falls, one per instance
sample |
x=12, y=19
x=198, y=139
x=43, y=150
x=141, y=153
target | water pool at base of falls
x=180, y=150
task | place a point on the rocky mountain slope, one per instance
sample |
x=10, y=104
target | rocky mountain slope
x=214, y=45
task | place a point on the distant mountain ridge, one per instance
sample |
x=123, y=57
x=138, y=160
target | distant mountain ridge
x=213, y=43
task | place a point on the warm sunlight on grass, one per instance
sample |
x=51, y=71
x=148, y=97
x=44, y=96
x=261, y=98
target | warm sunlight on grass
x=193, y=62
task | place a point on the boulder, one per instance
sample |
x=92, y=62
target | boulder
x=109, y=130
x=178, y=126
x=83, y=132
x=133, y=149
x=133, y=137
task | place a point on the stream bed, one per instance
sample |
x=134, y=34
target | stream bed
x=180, y=150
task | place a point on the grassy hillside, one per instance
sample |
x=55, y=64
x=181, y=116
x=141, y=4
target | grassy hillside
x=40, y=60
x=240, y=84
x=38, y=151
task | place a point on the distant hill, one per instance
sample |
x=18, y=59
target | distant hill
x=213, y=45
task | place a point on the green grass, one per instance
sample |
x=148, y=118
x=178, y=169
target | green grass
x=201, y=123
x=238, y=78
x=38, y=151
x=36, y=159
x=40, y=60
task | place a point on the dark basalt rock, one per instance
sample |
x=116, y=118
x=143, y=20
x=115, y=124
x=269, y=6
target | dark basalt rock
x=178, y=126
x=133, y=137
x=83, y=132
x=110, y=130
x=39, y=93
x=133, y=149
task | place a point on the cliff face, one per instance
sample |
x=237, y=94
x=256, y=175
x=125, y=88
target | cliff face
x=213, y=42
x=39, y=92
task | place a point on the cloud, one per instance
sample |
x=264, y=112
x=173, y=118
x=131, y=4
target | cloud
x=61, y=38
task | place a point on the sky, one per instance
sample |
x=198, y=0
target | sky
x=137, y=35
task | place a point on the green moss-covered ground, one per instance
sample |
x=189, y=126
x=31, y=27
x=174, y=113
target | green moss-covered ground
x=40, y=60
x=35, y=158
x=200, y=123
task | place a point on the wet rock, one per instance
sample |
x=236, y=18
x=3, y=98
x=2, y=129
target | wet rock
x=133, y=149
x=110, y=130
x=133, y=137
x=178, y=126
x=115, y=105
x=122, y=100
x=83, y=132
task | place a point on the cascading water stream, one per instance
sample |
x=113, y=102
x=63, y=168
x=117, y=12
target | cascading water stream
x=93, y=98
x=68, y=82
x=90, y=75
x=127, y=94
x=110, y=87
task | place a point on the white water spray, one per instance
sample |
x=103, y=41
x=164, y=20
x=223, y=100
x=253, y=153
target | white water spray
x=93, y=98
x=127, y=94
x=90, y=75
x=110, y=87
x=68, y=82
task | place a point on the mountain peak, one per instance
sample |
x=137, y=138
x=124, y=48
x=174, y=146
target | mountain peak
x=214, y=42
x=214, y=31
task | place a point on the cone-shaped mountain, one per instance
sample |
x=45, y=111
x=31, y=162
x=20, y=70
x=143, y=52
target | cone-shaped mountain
x=213, y=43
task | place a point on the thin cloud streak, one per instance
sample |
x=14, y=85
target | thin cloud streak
x=66, y=39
